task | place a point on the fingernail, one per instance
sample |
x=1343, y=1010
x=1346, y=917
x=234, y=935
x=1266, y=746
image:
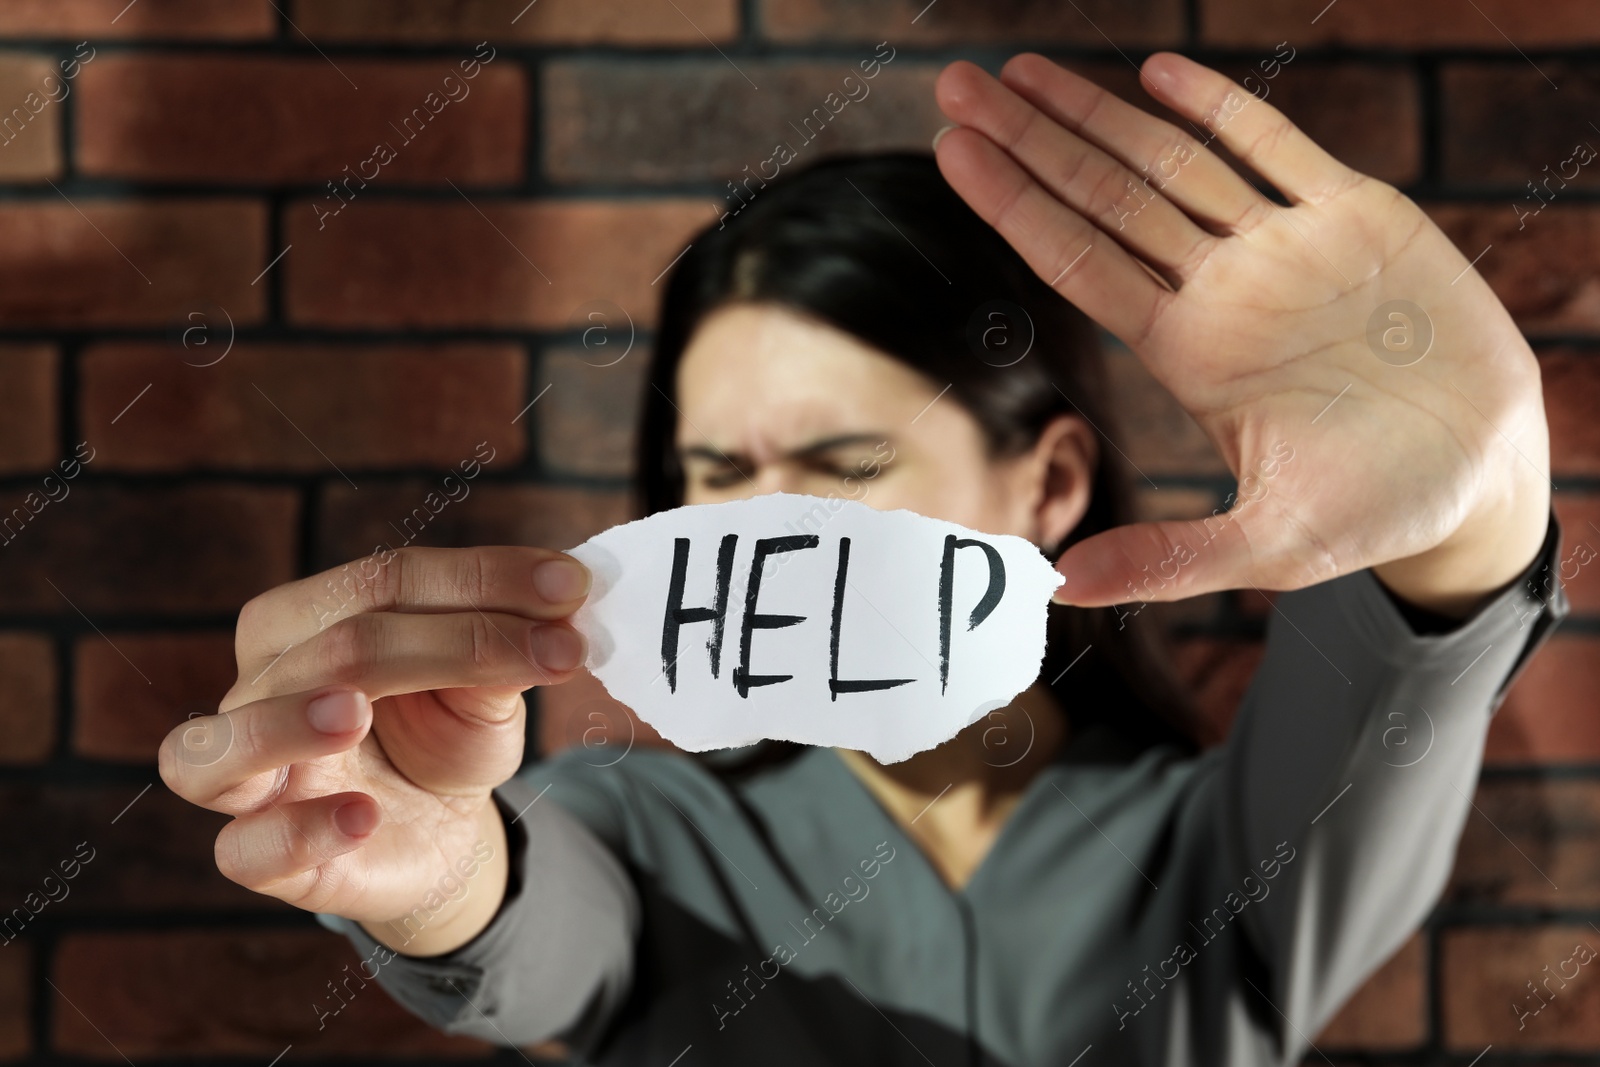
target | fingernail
x=560, y=580
x=943, y=130
x=557, y=648
x=337, y=713
x=356, y=819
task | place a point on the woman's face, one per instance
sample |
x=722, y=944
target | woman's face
x=770, y=401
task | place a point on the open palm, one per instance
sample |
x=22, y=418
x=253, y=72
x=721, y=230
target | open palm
x=1367, y=388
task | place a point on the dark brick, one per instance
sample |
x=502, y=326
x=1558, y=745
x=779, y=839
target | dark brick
x=1389, y=1011
x=517, y=21
x=1216, y=673
x=1487, y=144
x=391, y=264
x=1548, y=716
x=1153, y=432
x=1415, y=25
x=27, y=408
x=1377, y=127
x=152, y=550
x=118, y=716
x=117, y=19
x=1531, y=843
x=504, y=514
x=268, y=119
x=1518, y=266
x=62, y=268
x=30, y=117
x=1131, y=24
x=685, y=120
x=27, y=698
x=586, y=421
x=1483, y=976
x=16, y=1001
x=263, y=406
x=1571, y=398
x=157, y=855
x=1579, y=514
x=141, y=990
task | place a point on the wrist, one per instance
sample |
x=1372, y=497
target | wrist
x=1487, y=551
x=438, y=924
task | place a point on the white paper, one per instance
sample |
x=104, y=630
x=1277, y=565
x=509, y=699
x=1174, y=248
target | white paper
x=888, y=624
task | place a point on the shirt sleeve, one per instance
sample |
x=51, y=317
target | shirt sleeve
x=1356, y=752
x=554, y=964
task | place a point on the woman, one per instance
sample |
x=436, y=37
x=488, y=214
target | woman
x=1106, y=895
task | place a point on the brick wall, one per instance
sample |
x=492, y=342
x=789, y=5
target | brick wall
x=268, y=372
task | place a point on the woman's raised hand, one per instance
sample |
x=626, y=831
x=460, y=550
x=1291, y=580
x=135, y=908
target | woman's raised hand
x=1267, y=323
x=376, y=707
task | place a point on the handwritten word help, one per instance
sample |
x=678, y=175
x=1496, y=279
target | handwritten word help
x=886, y=632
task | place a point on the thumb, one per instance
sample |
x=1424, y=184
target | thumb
x=1154, y=561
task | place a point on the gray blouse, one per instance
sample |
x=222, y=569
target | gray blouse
x=1151, y=908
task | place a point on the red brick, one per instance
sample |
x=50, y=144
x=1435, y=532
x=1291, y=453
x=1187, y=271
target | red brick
x=1216, y=673
x=1579, y=514
x=27, y=408
x=157, y=855
x=1531, y=843
x=1483, y=976
x=257, y=119
x=581, y=713
x=118, y=716
x=1153, y=431
x=30, y=117
x=1389, y=1011
x=203, y=548
x=586, y=422
x=1549, y=715
x=141, y=991
x=1571, y=397
x=1415, y=25
x=263, y=406
x=16, y=1001
x=1485, y=142
x=117, y=19
x=27, y=698
x=1131, y=24
x=62, y=268
x=1518, y=266
x=679, y=120
x=505, y=514
x=517, y=22
x=393, y=264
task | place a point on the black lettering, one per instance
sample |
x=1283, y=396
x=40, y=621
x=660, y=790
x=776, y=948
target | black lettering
x=743, y=681
x=835, y=685
x=947, y=585
x=677, y=614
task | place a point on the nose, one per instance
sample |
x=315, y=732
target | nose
x=775, y=478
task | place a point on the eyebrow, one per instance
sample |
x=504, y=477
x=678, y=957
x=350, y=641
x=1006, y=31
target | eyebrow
x=826, y=444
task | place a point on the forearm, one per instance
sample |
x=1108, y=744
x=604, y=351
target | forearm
x=461, y=920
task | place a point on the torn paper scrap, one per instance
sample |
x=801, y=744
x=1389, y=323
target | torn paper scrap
x=812, y=619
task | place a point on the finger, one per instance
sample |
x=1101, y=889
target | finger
x=1252, y=129
x=1176, y=164
x=387, y=653
x=537, y=583
x=282, y=851
x=228, y=762
x=1156, y=561
x=1074, y=257
x=1093, y=183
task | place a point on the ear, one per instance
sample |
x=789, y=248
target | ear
x=1063, y=463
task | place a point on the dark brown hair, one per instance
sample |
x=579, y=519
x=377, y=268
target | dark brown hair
x=882, y=248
